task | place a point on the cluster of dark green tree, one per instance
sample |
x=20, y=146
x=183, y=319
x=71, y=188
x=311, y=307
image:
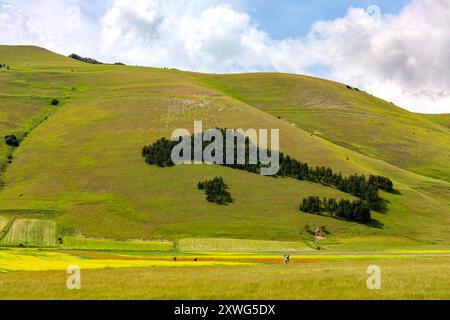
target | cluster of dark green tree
x=366, y=189
x=3, y=65
x=356, y=185
x=351, y=88
x=216, y=191
x=82, y=59
x=12, y=140
x=357, y=211
x=160, y=153
x=382, y=183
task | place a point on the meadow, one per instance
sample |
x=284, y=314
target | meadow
x=99, y=244
x=258, y=272
x=222, y=276
x=239, y=245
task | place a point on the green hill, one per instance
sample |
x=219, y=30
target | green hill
x=82, y=167
x=348, y=117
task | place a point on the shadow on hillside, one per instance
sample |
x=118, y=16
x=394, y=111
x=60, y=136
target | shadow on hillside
x=375, y=224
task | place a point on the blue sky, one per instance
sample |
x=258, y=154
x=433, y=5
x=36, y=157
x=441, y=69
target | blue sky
x=400, y=55
x=293, y=18
x=289, y=18
x=280, y=18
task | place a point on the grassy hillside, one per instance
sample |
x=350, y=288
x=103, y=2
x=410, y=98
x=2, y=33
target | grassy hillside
x=25, y=97
x=442, y=119
x=347, y=117
x=83, y=166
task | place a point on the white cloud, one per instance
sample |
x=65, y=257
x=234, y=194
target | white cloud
x=403, y=58
x=58, y=25
x=183, y=34
x=16, y=26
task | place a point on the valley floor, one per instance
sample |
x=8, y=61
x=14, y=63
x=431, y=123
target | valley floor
x=41, y=274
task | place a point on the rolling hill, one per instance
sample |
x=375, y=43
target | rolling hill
x=349, y=118
x=80, y=163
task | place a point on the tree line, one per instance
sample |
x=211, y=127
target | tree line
x=357, y=211
x=356, y=185
x=83, y=59
x=91, y=60
x=216, y=191
x=367, y=189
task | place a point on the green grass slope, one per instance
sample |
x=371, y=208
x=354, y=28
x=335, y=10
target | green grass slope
x=83, y=166
x=442, y=119
x=347, y=117
x=25, y=97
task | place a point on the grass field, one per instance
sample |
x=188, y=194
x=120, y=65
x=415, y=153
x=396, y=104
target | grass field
x=31, y=260
x=310, y=277
x=98, y=244
x=236, y=245
x=3, y=222
x=31, y=233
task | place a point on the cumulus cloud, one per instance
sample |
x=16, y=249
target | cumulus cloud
x=58, y=25
x=402, y=58
x=184, y=34
x=16, y=26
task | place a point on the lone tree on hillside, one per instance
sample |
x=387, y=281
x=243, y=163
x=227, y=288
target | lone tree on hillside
x=12, y=141
x=216, y=191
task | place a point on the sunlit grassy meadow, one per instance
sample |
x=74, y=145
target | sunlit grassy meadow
x=223, y=276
